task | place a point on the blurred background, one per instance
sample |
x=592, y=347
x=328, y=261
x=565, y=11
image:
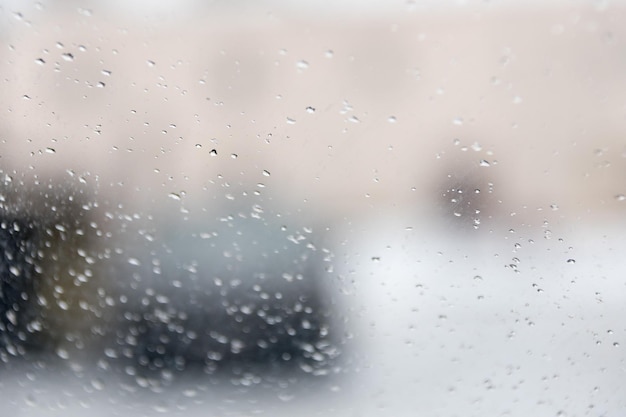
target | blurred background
x=236, y=208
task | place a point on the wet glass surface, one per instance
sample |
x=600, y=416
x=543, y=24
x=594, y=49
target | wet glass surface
x=280, y=208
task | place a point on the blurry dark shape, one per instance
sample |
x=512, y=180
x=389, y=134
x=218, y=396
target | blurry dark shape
x=46, y=299
x=462, y=199
x=160, y=290
x=18, y=309
x=227, y=294
x=466, y=192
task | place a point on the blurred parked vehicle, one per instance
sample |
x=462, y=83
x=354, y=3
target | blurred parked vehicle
x=238, y=289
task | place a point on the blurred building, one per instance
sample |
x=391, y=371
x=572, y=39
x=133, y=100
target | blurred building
x=334, y=116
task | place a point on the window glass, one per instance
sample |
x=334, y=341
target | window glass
x=279, y=208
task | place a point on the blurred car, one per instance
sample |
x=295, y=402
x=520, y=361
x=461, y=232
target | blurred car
x=161, y=290
x=217, y=290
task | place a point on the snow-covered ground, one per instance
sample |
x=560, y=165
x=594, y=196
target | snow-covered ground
x=495, y=325
x=438, y=324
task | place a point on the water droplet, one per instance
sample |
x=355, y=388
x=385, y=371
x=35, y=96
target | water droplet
x=234, y=155
x=101, y=84
x=30, y=400
x=310, y=110
x=40, y=61
x=213, y=152
x=354, y=119
x=198, y=146
x=174, y=196
x=134, y=261
x=97, y=384
x=392, y=119
x=290, y=121
x=68, y=56
x=302, y=65
x=571, y=261
x=161, y=408
x=476, y=147
x=11, y=316
x=329, y=53
x=517, y=100
x=106, y=72
x=620, y=197
x=458, y=121
x=62, y=353
x=484, y=163
x=50, y=150
x=285, y=397
x=150, y=63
